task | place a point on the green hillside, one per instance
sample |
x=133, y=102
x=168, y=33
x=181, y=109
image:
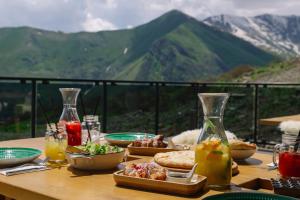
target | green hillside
x=285, y=72
x=173, y=47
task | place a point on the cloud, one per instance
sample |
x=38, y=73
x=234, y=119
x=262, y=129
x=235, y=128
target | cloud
x=93, y=24
x=95, y=15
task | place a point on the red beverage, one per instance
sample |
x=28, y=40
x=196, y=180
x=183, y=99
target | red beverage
x=289, y=164
x=74, y=133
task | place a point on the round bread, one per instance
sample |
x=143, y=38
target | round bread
x=176, y=159
x=240, y=145
x=243, y=154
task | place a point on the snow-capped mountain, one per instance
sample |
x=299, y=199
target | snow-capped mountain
x=280, y=34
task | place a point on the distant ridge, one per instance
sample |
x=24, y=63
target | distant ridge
x=279, y=34
x=173, y=47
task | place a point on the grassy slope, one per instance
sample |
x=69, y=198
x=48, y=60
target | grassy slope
x=286, y=71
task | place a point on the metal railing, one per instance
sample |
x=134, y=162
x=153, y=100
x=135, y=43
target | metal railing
x=197, y=86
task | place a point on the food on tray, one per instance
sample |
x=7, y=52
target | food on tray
x=146, y=170
x=176, y=159
x=214, y=161
x=99, y=149
x=157, y=142
x=240, y=145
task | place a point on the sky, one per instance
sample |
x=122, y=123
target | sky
x=97, y=15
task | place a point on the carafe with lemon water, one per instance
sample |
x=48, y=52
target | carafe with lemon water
x=212, y=152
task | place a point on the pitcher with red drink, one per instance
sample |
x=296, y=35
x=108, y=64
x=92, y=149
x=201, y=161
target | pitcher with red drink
x=69, y=116
x=289, y=160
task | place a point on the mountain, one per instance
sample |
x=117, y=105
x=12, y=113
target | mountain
x=173, y=47
x=280, y=34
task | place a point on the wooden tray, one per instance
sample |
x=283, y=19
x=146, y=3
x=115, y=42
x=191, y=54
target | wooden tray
x=257, y=184
x=147, y=151
x=265, y=185
x=160, y=186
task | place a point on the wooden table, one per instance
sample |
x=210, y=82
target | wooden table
x=275, y=121
x=67, y=183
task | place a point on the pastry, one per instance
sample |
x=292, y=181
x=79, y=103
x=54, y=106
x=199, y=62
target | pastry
x=240, y=145
x=156, y=142
x=176, y=159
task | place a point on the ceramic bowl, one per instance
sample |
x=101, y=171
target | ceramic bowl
x=239, y=154
x=97, y=162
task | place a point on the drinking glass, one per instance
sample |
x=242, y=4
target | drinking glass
x=55, y=144
x=288, y=160
x=90, y=124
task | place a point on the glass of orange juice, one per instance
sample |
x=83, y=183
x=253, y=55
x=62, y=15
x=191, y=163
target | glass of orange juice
x=55, y=145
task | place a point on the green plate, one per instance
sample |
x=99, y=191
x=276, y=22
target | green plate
x=125, y=138
x=15, y=155
x=247, y=196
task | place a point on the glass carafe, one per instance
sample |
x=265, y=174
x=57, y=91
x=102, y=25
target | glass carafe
x=212, y=152
x=69, y=116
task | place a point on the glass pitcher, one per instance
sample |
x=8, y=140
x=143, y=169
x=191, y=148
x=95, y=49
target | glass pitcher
x=212, y=152
x=288, y=159
x=69, y=116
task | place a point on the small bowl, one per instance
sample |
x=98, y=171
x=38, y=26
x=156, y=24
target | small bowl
x=178, y=177
x=241, y=154
x=97, y=162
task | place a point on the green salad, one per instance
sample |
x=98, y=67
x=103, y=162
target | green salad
x=99, y=149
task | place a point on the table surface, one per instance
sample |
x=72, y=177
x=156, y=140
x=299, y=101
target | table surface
x=67, y=183
x=275, y=121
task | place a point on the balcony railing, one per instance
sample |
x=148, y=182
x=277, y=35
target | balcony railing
x=154, y=106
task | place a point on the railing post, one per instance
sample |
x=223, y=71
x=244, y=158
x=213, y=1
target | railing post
x=104, y=107
x=33, y=107
x=197, y=90
x=255, y=110
x=156, y=108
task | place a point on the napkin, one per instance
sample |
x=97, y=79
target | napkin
x=26, y=168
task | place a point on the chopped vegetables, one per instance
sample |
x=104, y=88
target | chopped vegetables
x=98, y=149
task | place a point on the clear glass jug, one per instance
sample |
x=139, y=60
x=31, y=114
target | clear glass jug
x=212, y=152
x=69, y=116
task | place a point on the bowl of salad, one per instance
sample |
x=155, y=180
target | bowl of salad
x=96, y=157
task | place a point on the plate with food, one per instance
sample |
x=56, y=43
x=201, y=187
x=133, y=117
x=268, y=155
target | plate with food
x=182, y=160
x=124, y=139
x=241, y=150
x=152, y=177
x=10, y=156
x=149, y=146
x=94, y=156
